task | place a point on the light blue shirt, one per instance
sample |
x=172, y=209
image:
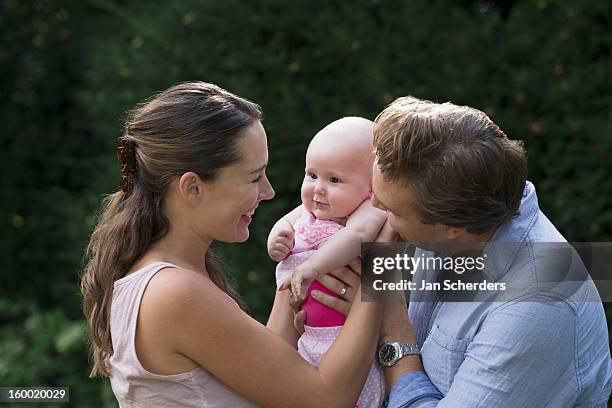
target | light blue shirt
x=540, y=347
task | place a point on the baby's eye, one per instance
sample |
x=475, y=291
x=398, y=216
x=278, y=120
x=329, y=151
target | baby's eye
x=312, y=176
x=334, y=180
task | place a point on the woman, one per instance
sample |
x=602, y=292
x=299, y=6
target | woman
x=164, y=323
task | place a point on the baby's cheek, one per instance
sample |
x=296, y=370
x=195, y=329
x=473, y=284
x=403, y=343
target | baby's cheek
x=352, y=198
x=305, y=194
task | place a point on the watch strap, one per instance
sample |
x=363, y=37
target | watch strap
x=409, y=349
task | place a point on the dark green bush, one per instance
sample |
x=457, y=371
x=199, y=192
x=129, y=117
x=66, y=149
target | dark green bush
x=539, y=68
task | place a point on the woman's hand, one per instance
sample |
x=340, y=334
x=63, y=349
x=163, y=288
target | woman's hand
x=351, y=274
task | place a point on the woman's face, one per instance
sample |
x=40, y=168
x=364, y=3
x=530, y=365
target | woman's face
x=229, y=201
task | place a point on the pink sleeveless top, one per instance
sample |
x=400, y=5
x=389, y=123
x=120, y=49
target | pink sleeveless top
x=311, y=234
x=132, y=384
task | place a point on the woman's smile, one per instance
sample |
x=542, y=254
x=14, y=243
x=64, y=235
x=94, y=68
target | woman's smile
x=248, y=217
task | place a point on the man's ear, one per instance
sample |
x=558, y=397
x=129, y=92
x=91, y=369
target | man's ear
x=190, y=187
x=452, y=233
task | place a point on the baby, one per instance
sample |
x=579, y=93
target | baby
x=326, y=232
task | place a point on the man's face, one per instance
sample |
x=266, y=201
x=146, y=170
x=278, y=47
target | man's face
x=398, y=200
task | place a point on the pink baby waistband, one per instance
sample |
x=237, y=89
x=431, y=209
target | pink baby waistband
x=322, y=333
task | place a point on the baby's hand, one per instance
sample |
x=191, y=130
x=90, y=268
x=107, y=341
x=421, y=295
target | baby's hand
x=280, y=241
x=303, y=275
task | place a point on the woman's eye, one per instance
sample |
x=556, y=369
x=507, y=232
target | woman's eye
x=257, y=179
x=334, y=180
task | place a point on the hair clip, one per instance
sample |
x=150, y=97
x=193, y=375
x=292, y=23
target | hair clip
x=127, y=159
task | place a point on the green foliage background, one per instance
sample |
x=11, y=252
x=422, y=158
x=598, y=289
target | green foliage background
x=70, y=69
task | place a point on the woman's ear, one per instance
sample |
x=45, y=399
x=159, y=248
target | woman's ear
x=190, y=188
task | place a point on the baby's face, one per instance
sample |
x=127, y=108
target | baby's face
x=336, y=181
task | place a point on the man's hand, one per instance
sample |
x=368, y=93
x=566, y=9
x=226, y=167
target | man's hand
x=280, y=240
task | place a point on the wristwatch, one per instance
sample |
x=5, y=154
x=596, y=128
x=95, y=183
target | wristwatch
x=390, y=353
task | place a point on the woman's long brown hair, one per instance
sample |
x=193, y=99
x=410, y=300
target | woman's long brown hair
x=192, y=126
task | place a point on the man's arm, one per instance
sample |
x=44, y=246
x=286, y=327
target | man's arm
x=406, y=379
x=396, y=327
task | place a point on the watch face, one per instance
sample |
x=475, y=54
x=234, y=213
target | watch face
x=387, y=354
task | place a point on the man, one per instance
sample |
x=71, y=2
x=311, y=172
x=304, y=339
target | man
x=448, y=175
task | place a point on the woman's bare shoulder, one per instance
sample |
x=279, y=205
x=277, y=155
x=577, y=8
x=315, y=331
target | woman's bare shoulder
x=174, y=288
x=179, y=304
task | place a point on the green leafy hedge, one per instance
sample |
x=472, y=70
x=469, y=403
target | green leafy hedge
x=539, y=68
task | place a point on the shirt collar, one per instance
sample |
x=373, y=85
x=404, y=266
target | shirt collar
x=503, y=246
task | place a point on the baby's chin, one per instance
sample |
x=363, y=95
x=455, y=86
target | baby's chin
x=327, y=216
x=321, y=214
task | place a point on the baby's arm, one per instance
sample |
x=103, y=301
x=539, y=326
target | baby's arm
x=280, y=240
x=363, y=225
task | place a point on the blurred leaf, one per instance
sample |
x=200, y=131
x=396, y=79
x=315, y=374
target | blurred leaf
x=69, y=338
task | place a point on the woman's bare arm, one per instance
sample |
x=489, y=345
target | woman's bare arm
x=205, y=325
x=279, y=245
x=282, y=317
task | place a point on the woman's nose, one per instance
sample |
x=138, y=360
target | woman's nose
x=267, y=192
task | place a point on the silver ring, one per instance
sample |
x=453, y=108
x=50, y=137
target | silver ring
x=343, y=291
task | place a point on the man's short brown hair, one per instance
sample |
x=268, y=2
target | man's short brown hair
x=462, y=168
